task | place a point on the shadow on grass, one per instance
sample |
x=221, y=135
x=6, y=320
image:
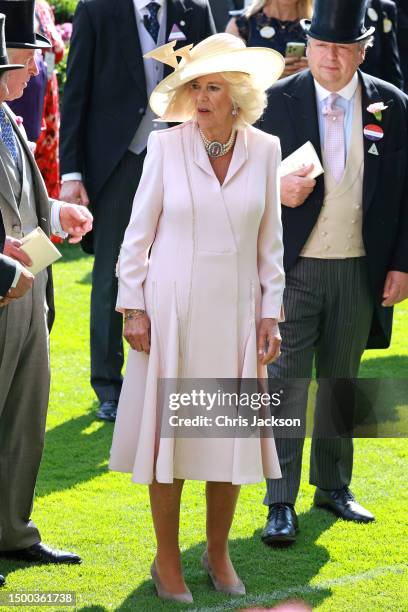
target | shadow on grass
x=85, y=280
x=75, y=452
x=392, y=366
x=270, y=574
x=70, y=252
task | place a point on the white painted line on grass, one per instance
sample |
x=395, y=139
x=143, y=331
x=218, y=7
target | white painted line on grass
x=283, y=594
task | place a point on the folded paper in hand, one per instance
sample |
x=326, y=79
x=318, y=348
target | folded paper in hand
x=40, y=249
x=304, y=156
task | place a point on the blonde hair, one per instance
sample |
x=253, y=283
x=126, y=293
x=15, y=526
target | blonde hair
x=305, y=8
x=249, y=99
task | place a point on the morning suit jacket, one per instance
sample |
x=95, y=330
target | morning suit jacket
x=9, y=207
x=105, y=95
x=383, y=59
x=7, y=269
x=292, y=115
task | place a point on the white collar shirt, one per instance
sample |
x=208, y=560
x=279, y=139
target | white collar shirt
x=153, y=71
x=346, y=101
x=141, y=10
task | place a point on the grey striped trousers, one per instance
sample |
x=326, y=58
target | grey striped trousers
x=328, y=313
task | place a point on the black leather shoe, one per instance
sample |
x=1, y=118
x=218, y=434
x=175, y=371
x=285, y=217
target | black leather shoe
x=343, y=504
x=107, y=411
x=281, y=526
x=40, y=553
x=2, y=581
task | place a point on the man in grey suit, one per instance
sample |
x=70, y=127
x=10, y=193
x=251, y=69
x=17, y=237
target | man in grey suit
x=7, y=265
x=24, y=352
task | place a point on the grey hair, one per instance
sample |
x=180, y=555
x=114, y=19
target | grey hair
x=367, y=43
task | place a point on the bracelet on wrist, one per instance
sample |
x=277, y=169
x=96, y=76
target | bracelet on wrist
x=135, y=313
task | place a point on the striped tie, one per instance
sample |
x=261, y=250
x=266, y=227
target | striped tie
x=7, y=135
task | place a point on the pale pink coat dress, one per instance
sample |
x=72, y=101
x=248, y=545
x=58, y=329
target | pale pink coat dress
x=215, y=268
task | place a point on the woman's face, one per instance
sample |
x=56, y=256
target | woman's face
x=212, y=102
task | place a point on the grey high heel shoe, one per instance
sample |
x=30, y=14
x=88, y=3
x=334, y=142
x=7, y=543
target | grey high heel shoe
x=186, y=597
x=228, y=589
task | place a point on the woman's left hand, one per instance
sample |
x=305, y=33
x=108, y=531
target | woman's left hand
x=269, y=341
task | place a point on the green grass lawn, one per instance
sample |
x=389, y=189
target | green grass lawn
x=83, y=507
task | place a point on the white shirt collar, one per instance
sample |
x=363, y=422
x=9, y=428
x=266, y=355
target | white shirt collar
x=141, y=4
x=347, y=92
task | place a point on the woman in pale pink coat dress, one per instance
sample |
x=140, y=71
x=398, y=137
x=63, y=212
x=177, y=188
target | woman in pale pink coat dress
x=206, y=300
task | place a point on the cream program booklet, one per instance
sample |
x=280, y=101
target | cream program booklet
x=304, y=156
x=40, y=249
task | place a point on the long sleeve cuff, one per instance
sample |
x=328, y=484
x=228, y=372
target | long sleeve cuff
x=71, y=176
x=56, y=227
x=19, y=269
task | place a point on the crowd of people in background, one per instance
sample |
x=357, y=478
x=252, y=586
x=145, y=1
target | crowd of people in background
x=269, y=23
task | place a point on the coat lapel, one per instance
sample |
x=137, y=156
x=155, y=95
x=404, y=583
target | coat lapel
x=301, y=102
x=371, y=161
x=239, y=155
x=5, y=188
x=177, y=14
x=302, y=107
x=41, y=196
x=128, y=39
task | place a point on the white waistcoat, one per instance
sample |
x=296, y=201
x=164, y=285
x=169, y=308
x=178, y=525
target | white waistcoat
x=338, y=230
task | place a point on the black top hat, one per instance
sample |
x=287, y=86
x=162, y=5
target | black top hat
x=337, y=21
x=20, y=25
x=4, y=61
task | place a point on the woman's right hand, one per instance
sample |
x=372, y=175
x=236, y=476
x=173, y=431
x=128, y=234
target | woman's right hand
x=137, y=333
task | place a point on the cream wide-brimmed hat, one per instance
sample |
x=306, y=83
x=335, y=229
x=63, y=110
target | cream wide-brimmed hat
x=217, y=53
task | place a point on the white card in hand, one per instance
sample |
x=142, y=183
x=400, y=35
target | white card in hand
x=40, y=249
x=304, y=156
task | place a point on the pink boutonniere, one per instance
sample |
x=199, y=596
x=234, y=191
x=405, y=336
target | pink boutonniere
x=19, y=120
x=377, y=109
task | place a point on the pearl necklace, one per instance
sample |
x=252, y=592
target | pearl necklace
x=218, y=149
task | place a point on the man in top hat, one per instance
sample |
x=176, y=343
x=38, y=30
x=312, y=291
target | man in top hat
x=105, y=124
x=345, y=240
x=24, y=352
